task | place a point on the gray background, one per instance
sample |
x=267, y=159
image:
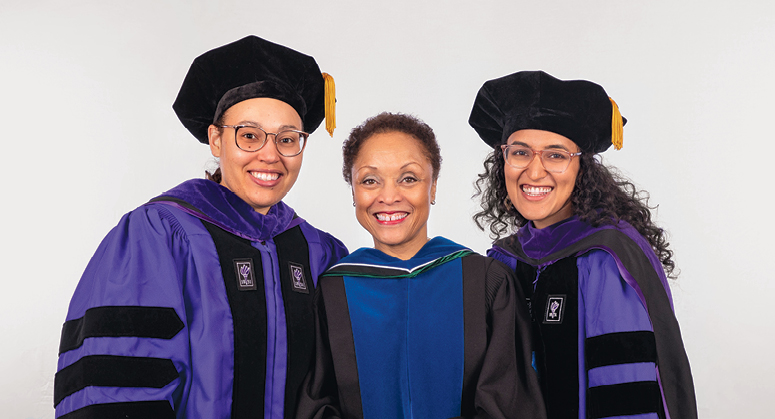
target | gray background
x=87, y=88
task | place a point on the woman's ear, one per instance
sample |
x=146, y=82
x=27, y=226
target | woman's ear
x=214, y=136
x=433, y=192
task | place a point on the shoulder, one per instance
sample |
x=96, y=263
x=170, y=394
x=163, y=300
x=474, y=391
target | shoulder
x=491, y=267
x=596, y=257
x=499, y=251
x=494, y=275
x=331, y=246
x=598, y=264
x=151, y=229
x=138, y=262
x=324, y=248
x=169, y=219
x=315, y=235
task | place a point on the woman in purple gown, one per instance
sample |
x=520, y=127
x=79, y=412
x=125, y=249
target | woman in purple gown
x=199, y=303
x=587, y=254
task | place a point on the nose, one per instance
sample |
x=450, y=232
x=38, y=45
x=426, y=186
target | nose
x=268, y=153
x=535, y=170
x=390, y=193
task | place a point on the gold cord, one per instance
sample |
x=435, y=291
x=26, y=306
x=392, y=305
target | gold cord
x=617, y=127
x=330, y=103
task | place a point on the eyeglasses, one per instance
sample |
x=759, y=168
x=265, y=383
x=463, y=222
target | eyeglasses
x=554, y=161
x=289, y=143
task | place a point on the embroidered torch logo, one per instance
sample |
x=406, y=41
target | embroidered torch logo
x=297, y=278
x=553, y=308
x=244, y=271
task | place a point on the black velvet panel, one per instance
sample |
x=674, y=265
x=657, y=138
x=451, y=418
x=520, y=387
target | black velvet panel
x=113, y=371
x=292, y=77
x=620, y=348
x=577, y=109
x=340, y=337
x=157, y=409
x=120, y=321
x=624, y=399
x=557, y=345
x=292, y=254
x=248, y=310
x=474, y=329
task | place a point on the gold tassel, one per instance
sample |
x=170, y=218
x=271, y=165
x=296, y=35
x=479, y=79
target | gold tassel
x=617, y=127
x=330, y=104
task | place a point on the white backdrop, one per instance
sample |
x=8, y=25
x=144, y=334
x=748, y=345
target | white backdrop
x=86, y=89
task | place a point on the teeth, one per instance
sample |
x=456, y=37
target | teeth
x=536, y=190
x=391, y=217
x=265, y=176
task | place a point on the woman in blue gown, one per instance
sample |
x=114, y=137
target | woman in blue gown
x=414, y=327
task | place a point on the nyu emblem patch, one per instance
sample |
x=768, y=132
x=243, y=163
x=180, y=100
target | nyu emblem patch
x=246, y=280
x=297, y=278
x=555, y=309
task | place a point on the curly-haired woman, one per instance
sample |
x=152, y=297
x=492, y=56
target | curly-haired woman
x=587, y=254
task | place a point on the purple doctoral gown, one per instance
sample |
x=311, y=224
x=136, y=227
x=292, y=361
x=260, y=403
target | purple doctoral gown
x=194, y=305
x=607, y=341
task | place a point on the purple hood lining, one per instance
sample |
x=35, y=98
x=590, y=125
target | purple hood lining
x=545, y=246
x=217, y=205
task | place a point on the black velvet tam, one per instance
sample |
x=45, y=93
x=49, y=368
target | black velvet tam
x=577, y=109
x=249, y=68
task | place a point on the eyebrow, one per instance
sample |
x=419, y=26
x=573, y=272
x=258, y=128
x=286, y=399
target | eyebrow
x=560, y=146
x=375, y=167
x=256, y=124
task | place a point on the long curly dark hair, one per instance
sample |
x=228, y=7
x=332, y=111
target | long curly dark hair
x=601, y=196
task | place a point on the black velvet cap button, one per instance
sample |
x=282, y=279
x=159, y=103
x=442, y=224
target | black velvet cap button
x=577, y=109
x=249, y=68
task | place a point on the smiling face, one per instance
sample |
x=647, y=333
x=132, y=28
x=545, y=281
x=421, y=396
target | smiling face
x=260, y=178
x=393, y=187
x=540, y=196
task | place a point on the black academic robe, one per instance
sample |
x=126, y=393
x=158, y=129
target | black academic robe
x=444, y=334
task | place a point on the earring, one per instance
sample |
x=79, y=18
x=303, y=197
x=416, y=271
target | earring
x=433, y=202
x=353, y=204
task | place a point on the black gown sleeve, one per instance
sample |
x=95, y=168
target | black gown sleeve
x=507, y=386
x=319, y=396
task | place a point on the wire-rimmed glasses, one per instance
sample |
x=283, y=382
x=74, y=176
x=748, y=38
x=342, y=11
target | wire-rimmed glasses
x=250, y=138
x=554, y=161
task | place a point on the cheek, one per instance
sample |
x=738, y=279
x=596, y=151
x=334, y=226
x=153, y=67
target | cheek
x=293, y=166
x=511, y=176
x=231, y=160
x=362, y=199
x=362, y=202
x=422, y=200
x=569, y=178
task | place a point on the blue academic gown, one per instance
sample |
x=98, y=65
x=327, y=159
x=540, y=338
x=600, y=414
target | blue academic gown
x=197, y=306
x=441, y=335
